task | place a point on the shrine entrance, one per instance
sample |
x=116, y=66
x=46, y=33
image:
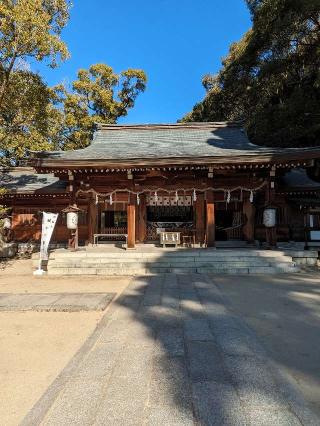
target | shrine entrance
x=168, y=218
x=230, y=221
x=112, y=221
x=171, y=214
x=197, y=218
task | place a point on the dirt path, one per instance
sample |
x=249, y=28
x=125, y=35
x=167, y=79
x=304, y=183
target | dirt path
x=36, y=346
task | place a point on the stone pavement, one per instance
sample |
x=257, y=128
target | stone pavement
x=170, y=352
x=55, y=302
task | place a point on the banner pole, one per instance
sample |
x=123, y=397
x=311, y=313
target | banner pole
x=39, y=271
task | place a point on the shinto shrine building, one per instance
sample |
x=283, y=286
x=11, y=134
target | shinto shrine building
x=203, y=180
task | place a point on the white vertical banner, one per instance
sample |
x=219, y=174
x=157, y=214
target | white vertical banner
x=49, y=221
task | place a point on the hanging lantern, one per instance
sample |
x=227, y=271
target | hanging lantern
x=72, y=216
x=138, y=199
x=111, y=200
x=194, y=195
x=228, y=197
x=72, y=220
x=156, y=197
x=177, y=197
x=251, y=197
x=270, y=217
x=97, y=199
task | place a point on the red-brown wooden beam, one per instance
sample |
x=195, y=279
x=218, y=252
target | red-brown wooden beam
x=142, y=220
x=249, y=213
x=131, y=218
x=92, y=220
x=211, y=220
x=199, y=211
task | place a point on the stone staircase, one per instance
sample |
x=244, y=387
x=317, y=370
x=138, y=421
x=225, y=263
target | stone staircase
x=184, y=261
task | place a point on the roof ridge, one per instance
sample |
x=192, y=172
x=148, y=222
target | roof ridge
x=170, y=126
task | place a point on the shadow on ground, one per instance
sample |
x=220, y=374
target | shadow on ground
x=210, y=366
x=172, y=351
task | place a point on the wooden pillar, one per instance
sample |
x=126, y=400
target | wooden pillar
x=92, y=220
x=142, y=220
x=199, y=212
x=248, y=229
x=131, y=217
x=211, y=220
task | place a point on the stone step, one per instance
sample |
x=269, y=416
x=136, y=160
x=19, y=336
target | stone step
x=167, y=259
x=251, y=270
x=156, y=264
x=159, y=253
x=185, y=261
x=173, y=258
x=179, y=253
x=183, y=270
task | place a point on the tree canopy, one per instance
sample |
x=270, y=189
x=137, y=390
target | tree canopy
x=34, y=116
x=30, y=29
x=25, y=116
x=271, y=77
x=98, y=95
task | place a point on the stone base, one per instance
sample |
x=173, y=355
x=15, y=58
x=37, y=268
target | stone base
x=8, y=250
x=179, y=261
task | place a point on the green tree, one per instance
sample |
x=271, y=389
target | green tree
x=271, y=78
x=30, y=30
x=28, y=118
x=98, y=95
x=36, y=117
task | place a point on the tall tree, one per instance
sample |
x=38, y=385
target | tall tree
x=36, y=117
x=28, y=117
x=271, y=77
x=98, y=95
x=30, y=29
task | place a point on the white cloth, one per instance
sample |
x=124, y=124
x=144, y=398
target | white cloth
x=48, y=223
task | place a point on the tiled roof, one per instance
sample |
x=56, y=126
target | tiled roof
x=158, y=144
x=26, y=180
x=156, y=141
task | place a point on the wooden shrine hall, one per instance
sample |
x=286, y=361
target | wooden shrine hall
x=203, y=181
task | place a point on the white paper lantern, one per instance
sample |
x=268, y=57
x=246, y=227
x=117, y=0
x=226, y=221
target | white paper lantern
x=72, y=220
x=269, y=217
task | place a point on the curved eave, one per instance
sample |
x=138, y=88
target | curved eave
x=252, y=158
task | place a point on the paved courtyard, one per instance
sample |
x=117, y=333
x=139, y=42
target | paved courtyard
x=172, y=351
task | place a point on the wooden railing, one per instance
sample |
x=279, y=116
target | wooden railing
x=115, y=230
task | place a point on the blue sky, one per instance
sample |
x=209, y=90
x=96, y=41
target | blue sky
x=175, y=42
